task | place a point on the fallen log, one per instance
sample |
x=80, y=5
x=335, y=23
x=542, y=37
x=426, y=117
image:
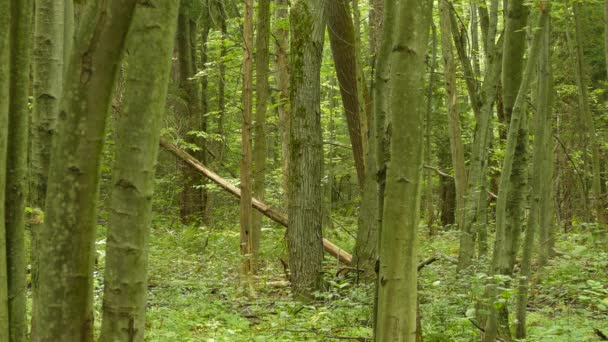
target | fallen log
x=265, y=209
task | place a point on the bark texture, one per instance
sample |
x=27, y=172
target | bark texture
x=342, y=41
x=17, y=166
x=5, y=16
x=397, y=278
x=64, y=309
x=259, y=127
x=137, y=133
x=247, y=250
x=305, y=236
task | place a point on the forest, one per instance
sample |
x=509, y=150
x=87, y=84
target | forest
x=304, y=170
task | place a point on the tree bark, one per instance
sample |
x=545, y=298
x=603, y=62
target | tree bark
x=191, y=198
x=282, y=63
x=137, y=133
x=5, y=20
x=17, y=166
x=343, y=42
x=246, y=248
x=305, y=236
x=64, y=309
x=397, y=285
x=428, y=127
x=259, y=128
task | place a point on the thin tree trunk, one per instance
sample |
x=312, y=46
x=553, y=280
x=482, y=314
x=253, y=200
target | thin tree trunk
x=501, y=258
x=397, y=285
x=513, y=65
x=282, y=62
x=541, y=178
x=430, y=211
x=64, y=309
x=137, y=133
x=305, y=236
x=247, y=103
x=16, y=166
x=456, y=145
x=589, y=135
x=367, y=233
x=342, y=39
x=50, y=38
x=191, y=199
x=5, y=18
x=259, y=130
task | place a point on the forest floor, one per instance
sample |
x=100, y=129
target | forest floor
x=195, y=292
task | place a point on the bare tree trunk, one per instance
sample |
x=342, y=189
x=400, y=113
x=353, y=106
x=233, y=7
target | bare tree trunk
x=282, y=62
x=247, y=252
x=137, y=133
x=308, y=18
x=259, y=130
x=397, y=284
x=17, y=166
x=5, y=18
x=342, y=39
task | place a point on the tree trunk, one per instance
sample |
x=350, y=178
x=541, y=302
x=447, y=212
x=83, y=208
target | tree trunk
x=17, y=166
x=260, y=148
x=191, y=201
x=502, y=255
x=5, y=18
x=541, y=178
x=428, y=127
x=64, y=309
x=247, y=103
x=589, y=136
x=137, y=133
x=282, y=63
x=343, y=42
x=513, y=64
x=456, y=145
x=397, y=285
x=305, y=236
x=50, y=39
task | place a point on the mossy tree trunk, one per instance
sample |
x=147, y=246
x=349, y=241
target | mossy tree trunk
x=64, y=309
x=397, y=278
x=259, y=127
x=305, y=198
x=137, y=132
x=5, y=17
x=17, y=165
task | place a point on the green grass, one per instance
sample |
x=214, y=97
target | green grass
x=195, y=293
